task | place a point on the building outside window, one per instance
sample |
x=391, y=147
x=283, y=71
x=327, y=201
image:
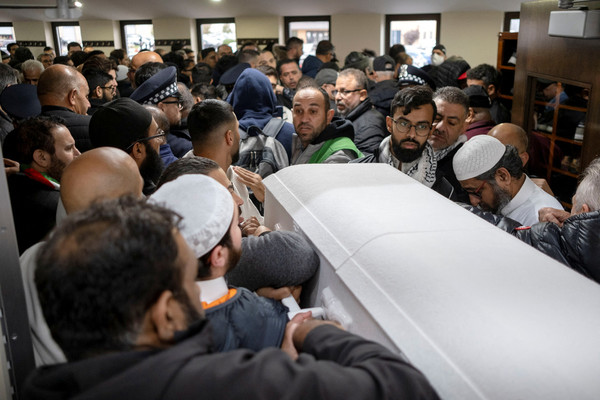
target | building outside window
x=217, y=31
x=7, y=35
x=65, y=33
x=137, y=35
x=419, y=33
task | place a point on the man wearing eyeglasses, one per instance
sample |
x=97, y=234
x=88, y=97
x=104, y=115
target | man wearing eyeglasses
x=353, y=103
x=128, y=126
x=103, y=88
x=407, y=148
x=492, y=175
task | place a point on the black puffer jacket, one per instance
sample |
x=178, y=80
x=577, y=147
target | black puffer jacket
x=369, y=127
x=576, y=244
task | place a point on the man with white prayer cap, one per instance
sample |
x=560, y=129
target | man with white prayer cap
x=492, y=175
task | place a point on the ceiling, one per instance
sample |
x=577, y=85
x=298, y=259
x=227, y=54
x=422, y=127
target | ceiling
x=144, y=9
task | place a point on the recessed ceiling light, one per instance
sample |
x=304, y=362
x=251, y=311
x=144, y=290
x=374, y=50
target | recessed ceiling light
x=216, y=1
x=77, y=4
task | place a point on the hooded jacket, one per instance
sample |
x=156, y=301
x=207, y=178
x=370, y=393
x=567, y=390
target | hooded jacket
x=369, y=127
x=334, y=364
x=255, y=104
x=336, y=129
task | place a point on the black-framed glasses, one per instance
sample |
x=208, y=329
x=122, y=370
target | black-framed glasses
x=178, y=102
x=344, y=93
x=477, y=192
x=160, y=134
x=404, y=126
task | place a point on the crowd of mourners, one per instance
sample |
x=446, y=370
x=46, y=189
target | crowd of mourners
x=137, y=193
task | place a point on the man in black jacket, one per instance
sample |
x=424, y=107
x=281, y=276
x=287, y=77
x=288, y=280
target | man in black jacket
x=63, y=92
x=136, y=329
x=353, y=103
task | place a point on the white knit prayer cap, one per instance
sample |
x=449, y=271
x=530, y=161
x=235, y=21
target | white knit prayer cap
x=204, y=204
x=476, y=156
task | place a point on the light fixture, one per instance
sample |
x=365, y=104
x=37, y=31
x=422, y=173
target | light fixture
x=77, y=4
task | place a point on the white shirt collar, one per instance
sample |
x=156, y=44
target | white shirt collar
x=526, y=191
x=212, y=289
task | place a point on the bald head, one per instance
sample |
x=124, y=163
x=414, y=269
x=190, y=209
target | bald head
x=514, y=135
x=140, y=59
x=99, y=174
x=62, y=85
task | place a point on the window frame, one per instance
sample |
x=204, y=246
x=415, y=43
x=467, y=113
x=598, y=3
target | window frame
x=308, y=18
x=207, y=21
x=55, y=26
x=389, y=18
x=126, y=22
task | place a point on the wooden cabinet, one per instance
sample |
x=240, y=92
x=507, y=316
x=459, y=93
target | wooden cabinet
x=557, y=80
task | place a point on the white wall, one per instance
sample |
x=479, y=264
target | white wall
x=258, y=27
x=473, y=36
x=350, y=32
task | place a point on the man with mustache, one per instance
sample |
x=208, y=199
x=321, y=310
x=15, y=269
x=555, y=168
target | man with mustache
x=448, y=134
x=407, y=149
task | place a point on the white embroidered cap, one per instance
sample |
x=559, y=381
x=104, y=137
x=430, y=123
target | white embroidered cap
x=476, y=156
x=204, y=204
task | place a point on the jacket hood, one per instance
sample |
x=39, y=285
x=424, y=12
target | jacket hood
x=253, y=99
x=337, y=128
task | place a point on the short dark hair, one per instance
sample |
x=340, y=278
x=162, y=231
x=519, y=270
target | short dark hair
x=105, y=64
x=326, y=102
x=176, y=46
x=283, y=62
x=32, y=134
x=207, y=51
x=268, y=70
x=11, y=45
x=102, y=269
x=453, y=95
x=293, y=41
x=188, y=51
x=147, y=71
x=510, y=160
x=245, y=56
x=96, y=77
x=61, y=60
x=395, y=49
x=79, y=57
x=118, y=54
x=48, y=48
x=324, y=47
x=187, y=166
x=206, y=117
x=413, y=98
x=73, y=44
x=486, y=73
x=204, y=91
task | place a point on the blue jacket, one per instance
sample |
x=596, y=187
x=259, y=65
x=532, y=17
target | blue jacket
x=311, y=66
x=255, y=104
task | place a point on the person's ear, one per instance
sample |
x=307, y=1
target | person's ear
x=524, y=158
x=71, y=96
x=491, y=90
x=363, y=94
x=470, y=115
x=42, y=158
x=330, y=114
x=585, y=208
x=138, y=152
x=229, y=139
x=98, y=92
x=503, y=177
x=165, y=315
x=218, y=261
x=388, y=123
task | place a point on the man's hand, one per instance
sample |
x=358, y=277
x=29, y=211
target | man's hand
x=548, y=214
x=249, y=226
x=280, y=293
x=253, y=181
x=287, y=344
x=10, y=167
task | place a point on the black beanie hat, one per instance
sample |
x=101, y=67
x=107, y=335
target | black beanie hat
x=119, y=123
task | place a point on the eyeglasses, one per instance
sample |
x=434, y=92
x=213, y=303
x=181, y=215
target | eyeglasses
x=108, y=87
x=477, y=192
x=344, y=93
x=178, y=102
x=404, y=126
x=160, y=134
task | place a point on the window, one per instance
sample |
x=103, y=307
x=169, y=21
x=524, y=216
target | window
x=311, y=29
x=419, y=33
x=65, y=33
x=137, y=35
x=7, y=35
x=215, y=32
x=511, y=21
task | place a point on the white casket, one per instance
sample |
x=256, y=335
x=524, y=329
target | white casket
x=482, y=314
